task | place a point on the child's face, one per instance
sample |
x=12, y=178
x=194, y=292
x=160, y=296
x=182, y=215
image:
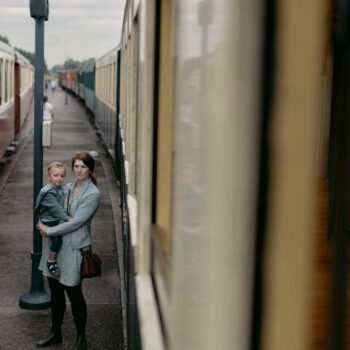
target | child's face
x=56, y=176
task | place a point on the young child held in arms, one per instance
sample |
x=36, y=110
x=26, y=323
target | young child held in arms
x=49, y=206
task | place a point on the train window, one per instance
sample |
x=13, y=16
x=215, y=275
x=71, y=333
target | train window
x=12, y=81
x=24, y=79
x=131, y=103
x=109, y=84
x=128, y=84
x=97, y=82
x=135, y=78
x=103, y=77
x=5, y=81
x=9, y=81
x=163, y=166
x=100, y=71
x=9, y=85
x=104, y=85
x=114, y=85
x=122, y=83
x=101, y=80
x=1, y=81
x=27, y=79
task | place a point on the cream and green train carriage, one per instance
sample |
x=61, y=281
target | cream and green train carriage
x=232, y=135
x=106, y=97
x=226, y=112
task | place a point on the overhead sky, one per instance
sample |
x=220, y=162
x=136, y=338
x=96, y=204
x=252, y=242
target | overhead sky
x=77, y=29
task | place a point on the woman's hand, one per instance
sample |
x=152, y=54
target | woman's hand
x=43, y=230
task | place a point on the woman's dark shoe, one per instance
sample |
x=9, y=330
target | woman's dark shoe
x=51, y=339
x=80, y=343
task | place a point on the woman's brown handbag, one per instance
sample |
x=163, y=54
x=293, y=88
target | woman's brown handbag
x=91, y=265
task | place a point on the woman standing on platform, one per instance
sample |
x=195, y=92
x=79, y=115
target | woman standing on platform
x=82, y=202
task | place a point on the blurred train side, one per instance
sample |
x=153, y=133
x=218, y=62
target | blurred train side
x=223, y=122
x=16, y=93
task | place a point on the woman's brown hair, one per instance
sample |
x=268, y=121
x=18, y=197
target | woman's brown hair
x=89, y=161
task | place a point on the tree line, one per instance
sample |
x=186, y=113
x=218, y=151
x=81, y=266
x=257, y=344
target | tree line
x=30, y=56
x=68, y=64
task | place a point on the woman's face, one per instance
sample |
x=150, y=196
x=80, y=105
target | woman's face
x=81, y=171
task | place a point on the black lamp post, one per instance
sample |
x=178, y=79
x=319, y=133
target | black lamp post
x=37, y=298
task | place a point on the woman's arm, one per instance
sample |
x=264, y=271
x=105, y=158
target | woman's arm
x=84, y=212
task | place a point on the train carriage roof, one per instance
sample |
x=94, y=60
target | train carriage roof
x=108, y=57
x=6, y=49
x=23, y=60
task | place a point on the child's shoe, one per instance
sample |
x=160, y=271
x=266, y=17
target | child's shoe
x=53, y=268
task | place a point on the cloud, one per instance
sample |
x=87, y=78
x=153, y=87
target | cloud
x=77, y=29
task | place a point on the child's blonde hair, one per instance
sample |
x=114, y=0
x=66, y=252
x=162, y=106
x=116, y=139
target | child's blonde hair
x=56, y=165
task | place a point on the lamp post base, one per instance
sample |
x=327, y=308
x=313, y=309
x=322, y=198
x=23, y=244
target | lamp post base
x=35, y=301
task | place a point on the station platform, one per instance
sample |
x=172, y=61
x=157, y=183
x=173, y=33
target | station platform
x=19, y=328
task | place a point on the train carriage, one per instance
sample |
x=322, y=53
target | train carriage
x=24, y=80
x=7, y=127
x=105, y=97
x=62, y=79
x=228, y=122
x=224, y=120
x=89, y=87
x=71, y=81
x=16, y=93
x=81, y=85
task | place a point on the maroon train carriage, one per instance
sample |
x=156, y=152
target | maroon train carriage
x=16, y=93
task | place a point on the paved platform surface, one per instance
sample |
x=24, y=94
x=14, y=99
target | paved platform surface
x=19, y=328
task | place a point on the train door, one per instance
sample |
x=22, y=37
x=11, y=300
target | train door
x=17, y=109
x=338, y=297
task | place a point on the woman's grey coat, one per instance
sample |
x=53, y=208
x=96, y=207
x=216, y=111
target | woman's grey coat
x=86, y=205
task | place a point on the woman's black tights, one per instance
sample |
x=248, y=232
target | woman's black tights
x=58, y=306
